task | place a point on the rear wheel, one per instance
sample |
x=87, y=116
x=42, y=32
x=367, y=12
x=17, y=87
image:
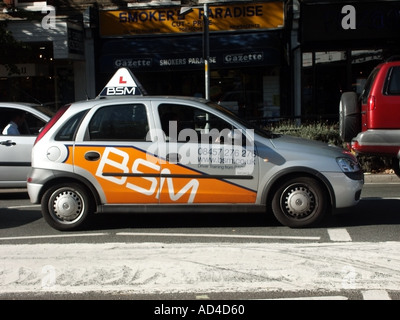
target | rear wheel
x=66, y=207
x=349, y=116
x=300, y=202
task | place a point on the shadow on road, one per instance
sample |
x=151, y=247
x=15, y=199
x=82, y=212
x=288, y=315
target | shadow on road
x=369, y=211
x=12, y=218
x=180, y=220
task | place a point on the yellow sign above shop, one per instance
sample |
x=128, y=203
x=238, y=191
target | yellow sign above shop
x=245, y=16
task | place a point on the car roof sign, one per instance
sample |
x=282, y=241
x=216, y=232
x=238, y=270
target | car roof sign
x=123, y=83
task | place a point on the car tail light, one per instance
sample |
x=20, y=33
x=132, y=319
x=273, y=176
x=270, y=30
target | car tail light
x=371, y=103
x=51, y=123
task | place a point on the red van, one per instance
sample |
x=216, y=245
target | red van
x=372, y=122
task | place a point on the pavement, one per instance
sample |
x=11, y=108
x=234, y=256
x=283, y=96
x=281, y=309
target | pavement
x=381, y=178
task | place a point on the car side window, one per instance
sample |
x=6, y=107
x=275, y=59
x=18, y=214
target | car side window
x=31, y=124
x=119, y=122
x=202, y=124
x=393, y=81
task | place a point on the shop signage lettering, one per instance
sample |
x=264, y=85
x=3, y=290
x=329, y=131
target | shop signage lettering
x=251, y=16
x=147, y=15
x=133, y=63
x=185, y=61
x=243, y=57
x=172, y=15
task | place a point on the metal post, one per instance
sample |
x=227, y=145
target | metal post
x=206, y=53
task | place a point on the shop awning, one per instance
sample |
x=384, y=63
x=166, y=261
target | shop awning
x=185, y=52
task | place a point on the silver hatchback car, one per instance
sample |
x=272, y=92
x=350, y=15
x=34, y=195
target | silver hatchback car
x=19, y=125
x=127, y=152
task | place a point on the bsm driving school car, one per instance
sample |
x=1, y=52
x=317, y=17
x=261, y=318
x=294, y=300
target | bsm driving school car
x=126, y=151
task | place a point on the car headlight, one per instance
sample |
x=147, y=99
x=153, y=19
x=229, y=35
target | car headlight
x=348, y=165
x=350, y=168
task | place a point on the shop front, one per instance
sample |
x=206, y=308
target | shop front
x=165, y=51
x=341, y=42
x=48, y=68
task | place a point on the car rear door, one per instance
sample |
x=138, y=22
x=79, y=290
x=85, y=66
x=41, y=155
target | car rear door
x=381, y=99
x=388, y=118
x=115, y=152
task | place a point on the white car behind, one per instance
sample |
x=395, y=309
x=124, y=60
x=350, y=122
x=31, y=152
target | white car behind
x=15, y=150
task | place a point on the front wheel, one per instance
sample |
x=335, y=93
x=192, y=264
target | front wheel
x=299, y=202
x=66, y=207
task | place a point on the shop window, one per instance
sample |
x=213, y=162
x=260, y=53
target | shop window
x=324, y=80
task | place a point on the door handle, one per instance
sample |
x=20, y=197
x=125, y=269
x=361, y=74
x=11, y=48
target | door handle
x=8, y=143
x=92, y=156
x=173, y=157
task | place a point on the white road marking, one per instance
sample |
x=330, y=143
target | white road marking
x=159, y=267
x=24, y=207
x=315, y=298
x=376, y=295
x=339, y=235
x=66, y=235
x=209, y=235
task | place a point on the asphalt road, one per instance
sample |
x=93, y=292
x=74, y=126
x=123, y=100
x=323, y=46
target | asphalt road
x=204, y=256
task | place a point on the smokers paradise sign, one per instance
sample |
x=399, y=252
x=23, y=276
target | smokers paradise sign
x=250, y=16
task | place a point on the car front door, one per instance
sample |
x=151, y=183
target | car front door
x=203, y=157
x=15, y=150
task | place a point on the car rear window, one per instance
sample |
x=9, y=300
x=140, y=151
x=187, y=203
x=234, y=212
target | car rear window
x=68, y=130
x=392, y=86
x=368, y=85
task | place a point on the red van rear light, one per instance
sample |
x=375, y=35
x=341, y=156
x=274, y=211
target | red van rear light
x=371, y=103
x=51, y=123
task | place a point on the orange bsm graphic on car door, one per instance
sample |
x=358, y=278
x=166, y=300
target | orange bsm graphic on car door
x=130, y=175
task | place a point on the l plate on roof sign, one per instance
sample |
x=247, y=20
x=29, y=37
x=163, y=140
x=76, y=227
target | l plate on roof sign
x=123, y=83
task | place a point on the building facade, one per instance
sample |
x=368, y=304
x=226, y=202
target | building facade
x=341, y=42
x=273, y=59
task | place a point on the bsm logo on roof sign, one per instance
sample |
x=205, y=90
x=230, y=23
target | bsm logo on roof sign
x=120, y=91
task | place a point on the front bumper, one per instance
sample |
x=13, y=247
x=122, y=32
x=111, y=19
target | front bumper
x=347, y=191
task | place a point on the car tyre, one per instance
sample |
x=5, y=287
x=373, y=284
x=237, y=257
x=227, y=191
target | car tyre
x=66, y=207
x=299, y=202
x=349, y=116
